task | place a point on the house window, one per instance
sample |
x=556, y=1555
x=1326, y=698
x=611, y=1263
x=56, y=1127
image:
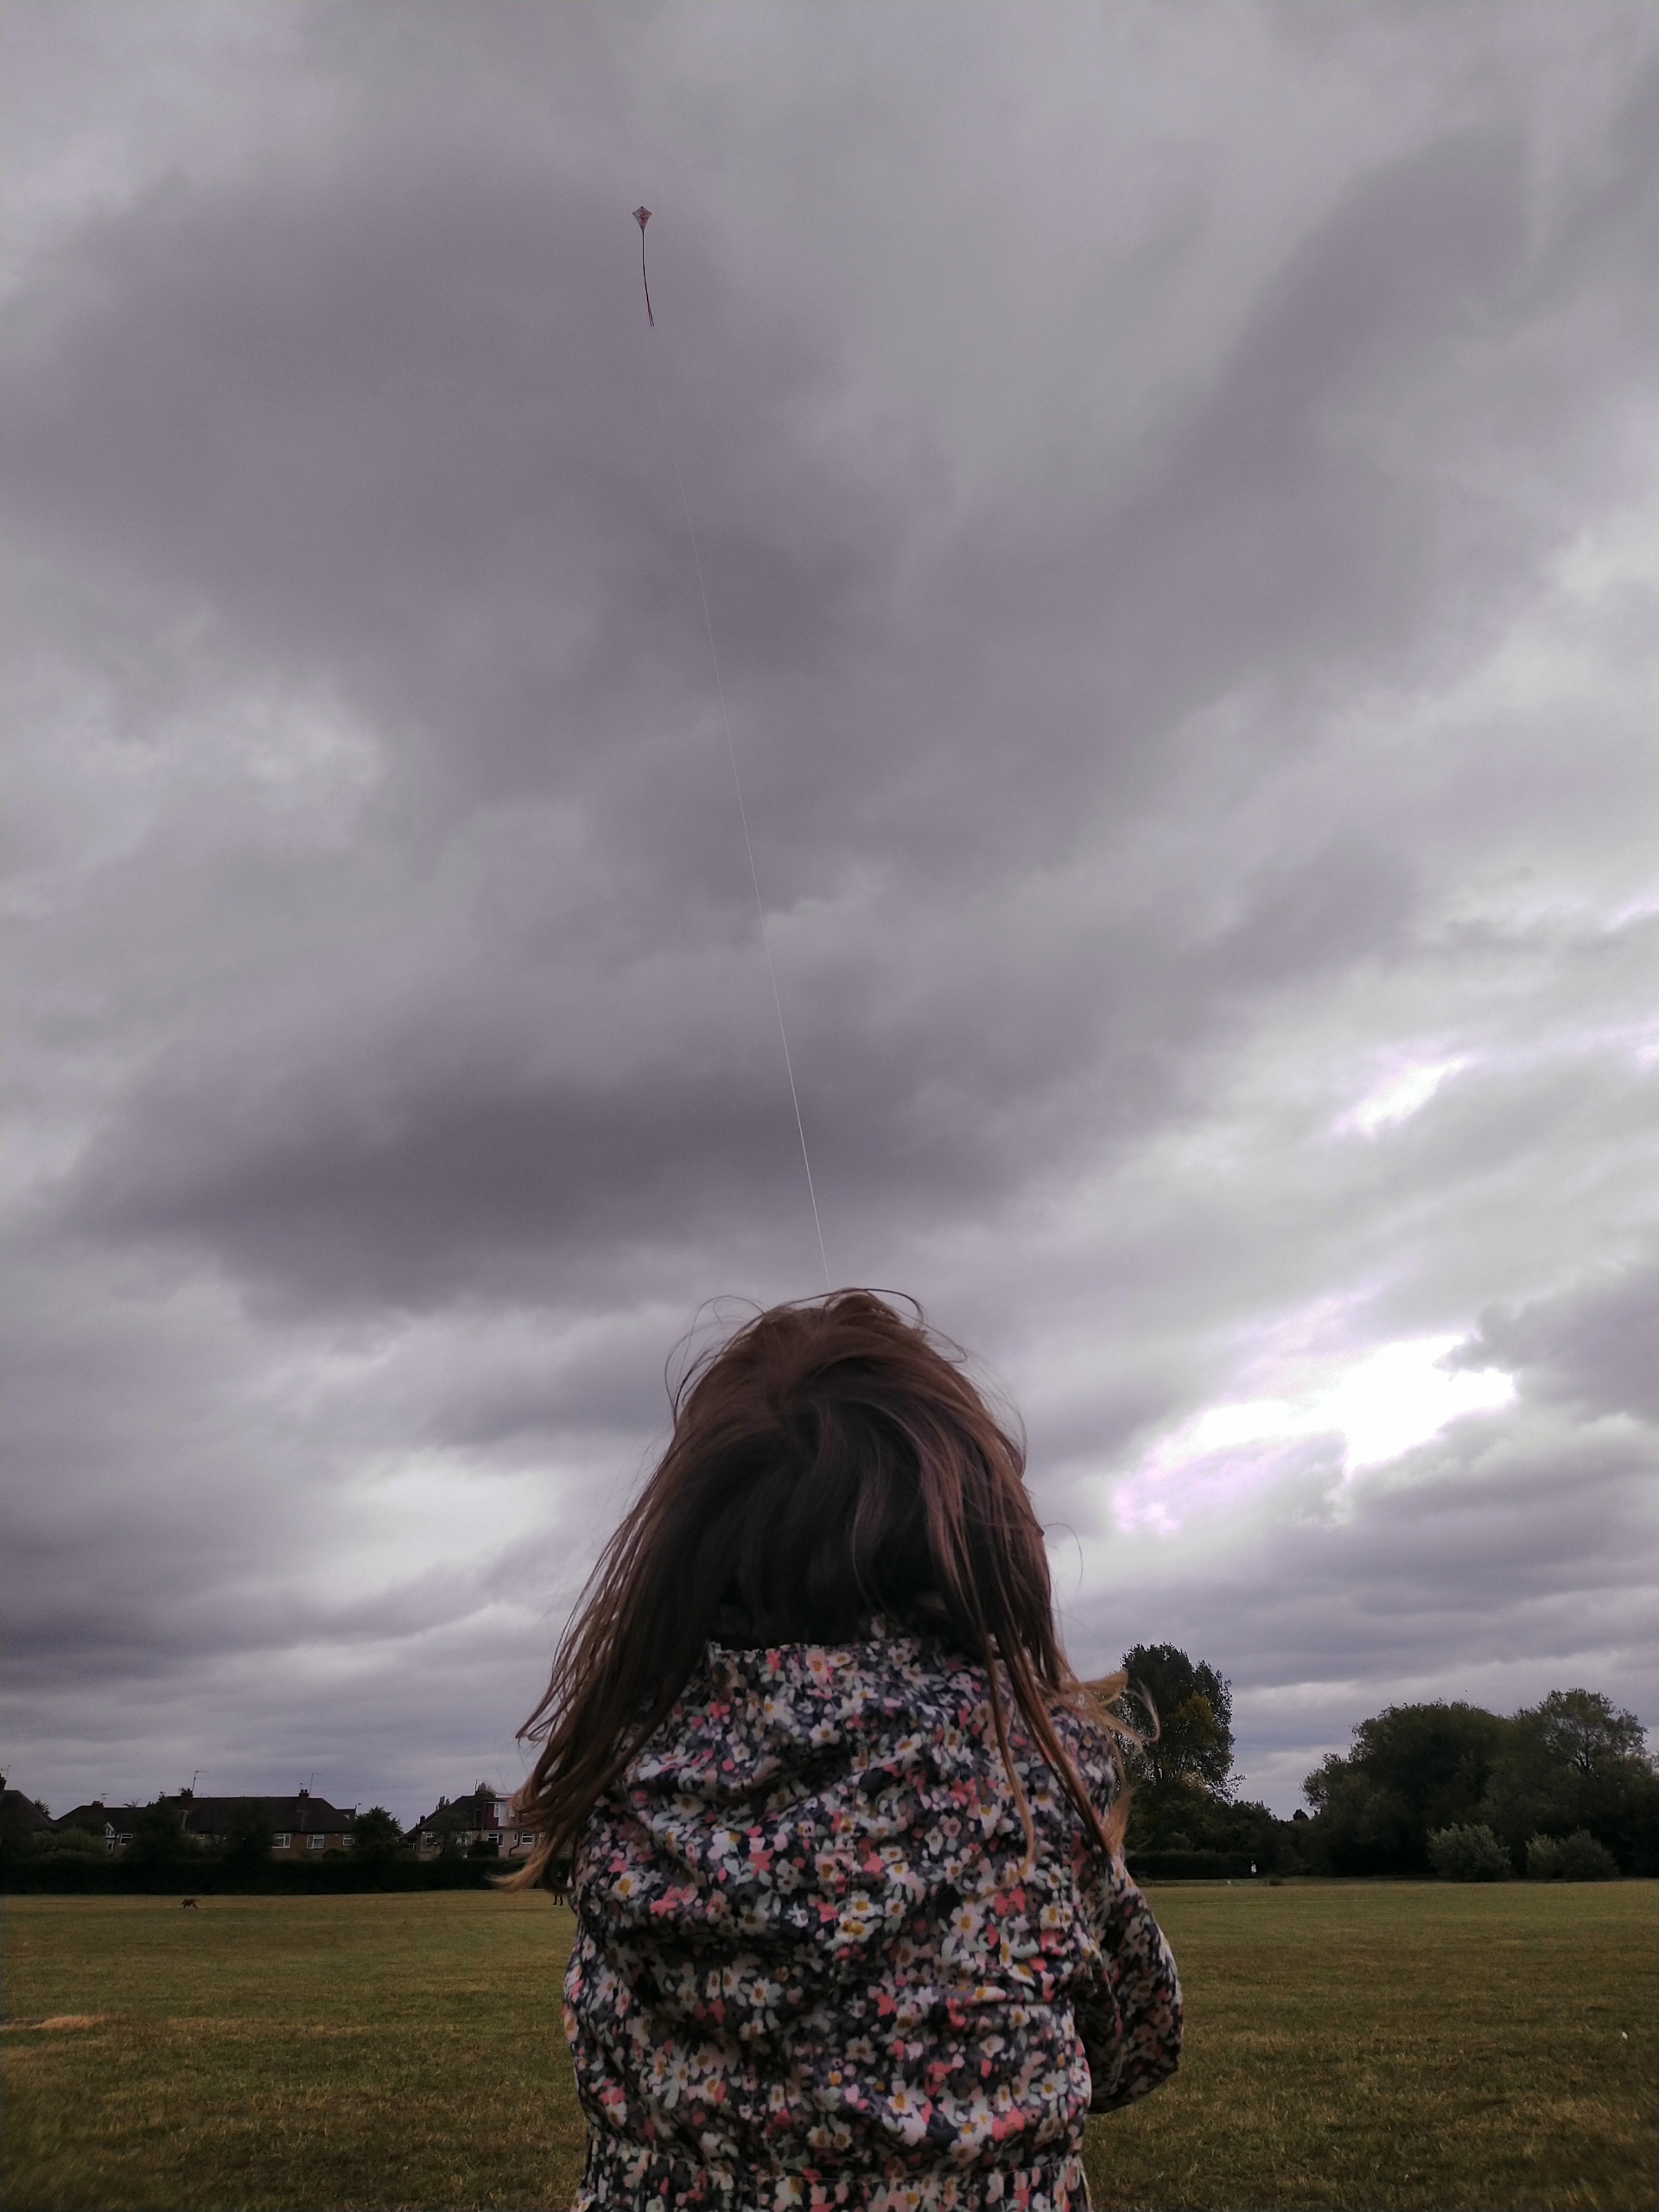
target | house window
x=316, y=1842
x=281, y=1840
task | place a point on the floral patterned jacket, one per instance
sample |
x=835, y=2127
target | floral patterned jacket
x=809, y=1970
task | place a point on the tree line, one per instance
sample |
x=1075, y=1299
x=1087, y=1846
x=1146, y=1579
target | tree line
x=1444, y=1788
x=1564, y=1787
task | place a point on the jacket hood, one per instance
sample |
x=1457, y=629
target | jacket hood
x=831, y=1793
x=764, y=1721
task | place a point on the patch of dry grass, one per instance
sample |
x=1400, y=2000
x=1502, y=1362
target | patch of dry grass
x=1390, y=2048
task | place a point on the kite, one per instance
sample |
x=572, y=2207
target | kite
x=642, y=216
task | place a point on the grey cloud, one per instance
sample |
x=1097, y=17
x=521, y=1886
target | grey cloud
x=1591, y=1348
x=424, y=376
x=619, y=1389
x=371, y=1164
x=446, y=1708
x=402, y=365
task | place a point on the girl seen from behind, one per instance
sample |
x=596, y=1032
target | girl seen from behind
x=844, y=1829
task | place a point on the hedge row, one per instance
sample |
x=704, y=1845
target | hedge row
x=70, y=1875
x=1189, y=1865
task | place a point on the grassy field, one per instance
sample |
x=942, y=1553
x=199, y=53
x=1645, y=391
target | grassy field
x=1355, y=2046
x=1384, y=2046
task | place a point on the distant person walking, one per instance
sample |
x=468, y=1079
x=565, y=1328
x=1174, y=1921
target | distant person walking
x=842, y=1828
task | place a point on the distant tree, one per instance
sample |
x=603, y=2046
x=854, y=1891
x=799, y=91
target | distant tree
x=244, y=1842
x=1412, y=1768
x=1183, y=1784
x=1244, y=1828
x=1577, y=1762
x=159, y=1841
x=1468, y=1854
x=1577, y=1857
x=1583, y=1731
x=1544, y=1858
x=1584, y=1859
x=71, y=1843
x=375, y=1834
x=1185, y=1707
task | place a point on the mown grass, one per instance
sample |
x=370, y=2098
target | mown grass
x=345, y=2051
x=1395, y=2046
x=1355, y=2045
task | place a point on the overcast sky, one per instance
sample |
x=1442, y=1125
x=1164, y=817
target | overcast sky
x=1175, y=490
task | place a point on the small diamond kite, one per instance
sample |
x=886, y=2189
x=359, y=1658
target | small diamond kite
x=642, y=216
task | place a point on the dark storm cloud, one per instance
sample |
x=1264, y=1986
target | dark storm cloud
x=351, y=1152
x=1136, y=810
x=422, y=371
x=400, y=366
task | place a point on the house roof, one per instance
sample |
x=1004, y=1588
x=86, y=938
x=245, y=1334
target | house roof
x=96, y=1816
x=15, y=1802
x=468, y=1806
x=300, y=1815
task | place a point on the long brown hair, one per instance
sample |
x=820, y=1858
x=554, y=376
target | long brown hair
x=831, y=1462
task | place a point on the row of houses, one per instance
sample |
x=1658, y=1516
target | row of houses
x=478, y=1821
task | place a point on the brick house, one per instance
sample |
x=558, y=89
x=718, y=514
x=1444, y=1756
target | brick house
x=480, y=1823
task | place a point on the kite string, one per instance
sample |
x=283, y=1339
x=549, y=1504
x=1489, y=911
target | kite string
x=742, y=810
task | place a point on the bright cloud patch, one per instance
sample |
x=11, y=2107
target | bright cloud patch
x=1370, y=1410
x=1401, y=1094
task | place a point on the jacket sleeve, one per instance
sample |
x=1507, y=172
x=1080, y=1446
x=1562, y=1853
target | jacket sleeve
x=1129, y=2017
